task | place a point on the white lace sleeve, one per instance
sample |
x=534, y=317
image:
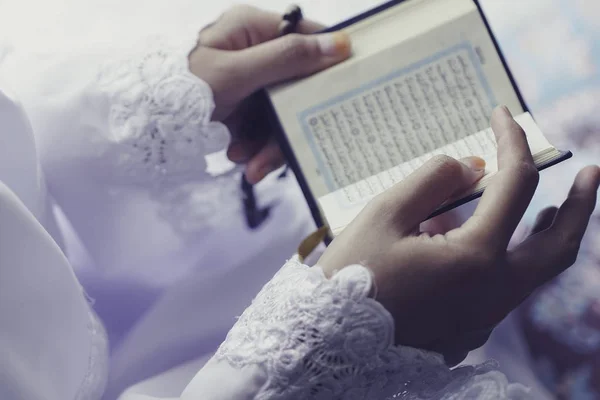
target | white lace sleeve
x=125, y=128
x=159, y=115
x=318, y=338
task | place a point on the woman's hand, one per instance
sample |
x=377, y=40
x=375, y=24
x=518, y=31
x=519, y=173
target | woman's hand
x=447, y=291
x=241, y=53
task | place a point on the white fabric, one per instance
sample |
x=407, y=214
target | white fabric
x=325, y=338
x=134, y=265
x=19, y=165
x=304, y=336
x=52, y=346
x=137, y=153
x=153, y=279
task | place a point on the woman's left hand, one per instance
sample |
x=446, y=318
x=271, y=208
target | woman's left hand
x=447, y=291
x=242, y=53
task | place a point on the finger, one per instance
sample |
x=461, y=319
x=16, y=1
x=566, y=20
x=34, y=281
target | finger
x=442, y=224
x=543, y=220
x=307, y=27
x=279, y=60
x=244, y=26
x=509, y=193
x=250, y=130
x=267, y=160
x=426, y=189
x=241, y=151
x=549, y=252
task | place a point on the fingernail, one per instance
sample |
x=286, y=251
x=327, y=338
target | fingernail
x=236, y=152
x=477, y=164
x=253, y=179
x=506, y=111
x=262, y=173
x=334, y=44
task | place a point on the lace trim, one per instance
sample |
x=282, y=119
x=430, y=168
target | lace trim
x=160, y=116
x=94, y=383
x=322, y=338
x=160, y=127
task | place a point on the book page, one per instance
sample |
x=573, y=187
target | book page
x=398, y=118
x=341, y=206
x=424, y=74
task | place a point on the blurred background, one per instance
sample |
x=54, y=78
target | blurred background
x=553, y=49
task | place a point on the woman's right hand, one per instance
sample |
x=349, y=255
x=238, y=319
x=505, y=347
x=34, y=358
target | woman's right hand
x=241, y=53
x=446, y=292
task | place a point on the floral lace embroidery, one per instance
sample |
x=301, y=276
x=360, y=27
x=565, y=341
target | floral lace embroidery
x=320, y=338
x=160, y=116
x=160, y=130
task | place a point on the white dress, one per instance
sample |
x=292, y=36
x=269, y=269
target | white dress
x=121, y=142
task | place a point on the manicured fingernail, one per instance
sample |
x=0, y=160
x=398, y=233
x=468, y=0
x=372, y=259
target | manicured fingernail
x=335, y=44
x=475, y=163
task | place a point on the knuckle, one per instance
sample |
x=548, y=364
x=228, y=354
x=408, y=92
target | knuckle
x=528, y=173
x=296, y=47
x=384, y=207
x=568, y=249
x=380, y=204
x=446, y=166
x=575, y=202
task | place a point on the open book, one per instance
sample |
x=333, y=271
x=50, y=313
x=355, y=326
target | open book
x=423, y=80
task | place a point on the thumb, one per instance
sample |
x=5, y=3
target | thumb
x=291, y=56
